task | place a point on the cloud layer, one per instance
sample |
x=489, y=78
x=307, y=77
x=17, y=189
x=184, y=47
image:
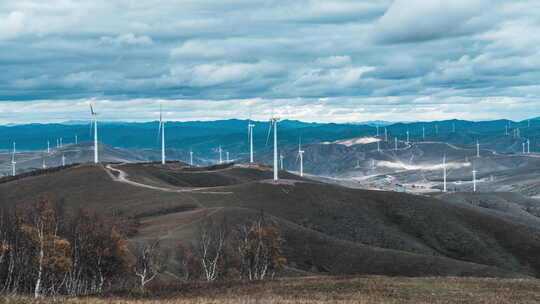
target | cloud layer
x=344, y=60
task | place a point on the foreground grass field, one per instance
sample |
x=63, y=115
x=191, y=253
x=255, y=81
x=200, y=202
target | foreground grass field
x=364, y=289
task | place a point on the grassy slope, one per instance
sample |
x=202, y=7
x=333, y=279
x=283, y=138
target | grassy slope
x=342, y=290
x=322, y=222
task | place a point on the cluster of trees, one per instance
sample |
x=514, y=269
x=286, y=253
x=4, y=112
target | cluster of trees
x=45, y=250
x=251, y=251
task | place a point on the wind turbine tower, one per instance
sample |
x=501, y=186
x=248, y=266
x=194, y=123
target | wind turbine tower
x=161, y=131
x=407, y=136
x=220, y=155
x=76, y=139
x=227, y=153
x=474, y=179
x=477, y=148
x=528, y=146
x=13, y=162
x=301, y=157
x=63, y=160
x=274, y=124
x=378, y=146
x=250, y=135
x=385, y=134
x=94, y=118
x=191, y=158
x=423, y=133
x=48, y=147
x=444, y=173
x=523, y=145
x=281, y=157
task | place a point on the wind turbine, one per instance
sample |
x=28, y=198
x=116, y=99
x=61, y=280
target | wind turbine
x=227, y=156
x=250, y=137
x=161, y=131
x=444, y=172
x=377, y=130
x=63, y=160
x=76, y=139
x=191, y=157
x=474, y=179
x=523, y=145
x=281, y=157
x=477, y=148
x=94, y=120
x=385, y=134
x=61, y=142
x=301, y=157
x=43, y=166
x=423, y=133
x=48, y=147
x=13, y=162
x=274, y=124
x=528, y=146
x=407, y=136
x=378, y=146
x=220, y=157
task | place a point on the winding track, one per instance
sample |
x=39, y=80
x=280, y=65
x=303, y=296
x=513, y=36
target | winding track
x=123, y=178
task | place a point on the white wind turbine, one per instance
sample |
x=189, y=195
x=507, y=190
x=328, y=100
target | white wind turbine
x=301, y=157
x=385, y=134
x=13, y=162
x=274, y=124
x=250, y=138
x=477, y=148
x=220, y=155
x=191, y=157
x=281, y=157
x=227, y=156
x=94, y=121
x=423, y=133
x=523, y=145
x=528, y=146
x=474, y=179
x=63, y=160
x=48, y=147
x=408, y=136
x=444, y=173
x=161, y=131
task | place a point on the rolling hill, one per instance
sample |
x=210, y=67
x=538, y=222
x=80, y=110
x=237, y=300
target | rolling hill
x=328, y=228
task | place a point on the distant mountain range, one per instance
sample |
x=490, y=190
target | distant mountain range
x=206, y=136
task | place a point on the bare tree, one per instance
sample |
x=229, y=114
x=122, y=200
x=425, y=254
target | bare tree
x=211, y=248
x=259, y=247
x=150, y=262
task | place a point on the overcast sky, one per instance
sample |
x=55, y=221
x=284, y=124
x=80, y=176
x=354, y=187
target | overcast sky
x=326, y=61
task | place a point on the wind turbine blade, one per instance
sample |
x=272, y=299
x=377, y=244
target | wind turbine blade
x=92, y=110
x=269, y=131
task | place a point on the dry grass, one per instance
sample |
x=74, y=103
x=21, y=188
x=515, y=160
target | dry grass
x=344, y=290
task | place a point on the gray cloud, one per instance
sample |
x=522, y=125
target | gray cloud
x=342, y=60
